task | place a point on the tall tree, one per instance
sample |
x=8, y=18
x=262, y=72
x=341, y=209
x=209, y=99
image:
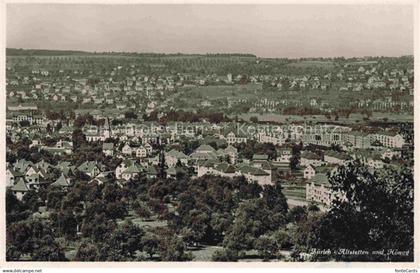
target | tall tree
x=377, y=212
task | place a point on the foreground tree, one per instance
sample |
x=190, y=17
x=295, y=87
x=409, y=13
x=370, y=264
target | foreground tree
x=266, y=247
x=150, y=244
x=47, y=250
x=34, y=238
x=175, y=250
x=376, y=214
x=253, y=218
x=87, y=252
x=126, y=239
x=142, y=209
x=225, y=255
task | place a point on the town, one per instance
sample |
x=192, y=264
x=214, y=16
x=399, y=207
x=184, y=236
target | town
x=132, y=156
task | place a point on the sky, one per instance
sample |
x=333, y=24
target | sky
x=291, y=31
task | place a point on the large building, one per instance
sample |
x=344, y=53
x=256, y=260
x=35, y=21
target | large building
x=318, y=189
x=325, y=135
x=388, y=139
x=358, y=140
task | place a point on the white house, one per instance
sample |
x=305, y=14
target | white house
x=284, y=155
x=309, y=172
x=127, y=150
x=148, y=148
x=11, y=177
x=253, y=174
x=130, y=172
x=90, y=168
x=318, y=189
x=141, y=152
x=231, y=138
x=122, y=167
x=272, y=138
x=173, y=156
x=232, y=152
x=20, y=188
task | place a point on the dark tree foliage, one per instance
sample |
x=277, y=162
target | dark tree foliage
x=125, y=240
x=251, y=147
x=225, y=255
x=48, y=250
x=130, y=115
x=142, y=209
x=175, y=250
x=205, y=209
x=295, y=159
x=274, y=198
x=32, y=201
x=248, y=190
x=66, y=223
x=15, y=209
x=150, y=244
x=97, y=228
x=54, y=197
x=34, y=238
x=78, y=139
x=378, y=214
x=12, y=203
x=266, y=247
x=253, y=218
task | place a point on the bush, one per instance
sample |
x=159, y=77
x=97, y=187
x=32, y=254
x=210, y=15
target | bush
x=225, y=255
x=175, y=250
x=86, y=252
x=267, y=247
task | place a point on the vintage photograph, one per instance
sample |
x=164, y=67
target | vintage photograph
x=209, y=132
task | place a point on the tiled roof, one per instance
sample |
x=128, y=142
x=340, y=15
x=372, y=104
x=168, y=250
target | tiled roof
x=15, y=173
x=260, y=157
x=205, y=156
x=152, y=170
x=132, y=169
x=62, y=181
x=320, y=178
x=225, y=168
x=176, y=154
x=244, y=168
x=205, y=148
x=20, y=186
x=87, y=166
x=387, y=133
x=309, y=155
x=358, y=133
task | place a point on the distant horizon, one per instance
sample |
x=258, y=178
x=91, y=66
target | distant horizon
x=265, y=30
x=208, y=53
